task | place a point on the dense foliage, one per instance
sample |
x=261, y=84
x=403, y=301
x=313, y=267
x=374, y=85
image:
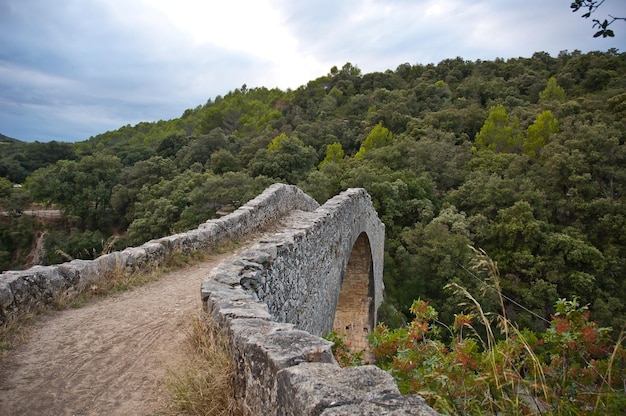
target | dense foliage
x=571, y=368
x=489, y=366
x=524, y=158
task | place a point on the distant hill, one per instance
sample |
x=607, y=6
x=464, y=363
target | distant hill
x=19, y=159
x=4, y=139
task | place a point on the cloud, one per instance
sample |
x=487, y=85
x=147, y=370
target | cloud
x=70, y=69
x=90, y=67
x=380, y=34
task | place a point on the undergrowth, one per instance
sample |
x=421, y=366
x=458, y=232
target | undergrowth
x=14, y=332
x=203, y=383
x=492, y=367
x=342, y=351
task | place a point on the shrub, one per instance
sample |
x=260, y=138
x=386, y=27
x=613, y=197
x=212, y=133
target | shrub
x=570, y=368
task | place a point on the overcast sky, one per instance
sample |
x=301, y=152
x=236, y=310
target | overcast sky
x=71, y=69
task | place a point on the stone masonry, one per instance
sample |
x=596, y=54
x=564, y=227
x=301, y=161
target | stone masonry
x=26, y=290
x=321, y=271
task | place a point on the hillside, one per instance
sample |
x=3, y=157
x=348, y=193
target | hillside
x=6, y=139
x=524, y=158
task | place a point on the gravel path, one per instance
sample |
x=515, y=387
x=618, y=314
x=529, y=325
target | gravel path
x=107, y=358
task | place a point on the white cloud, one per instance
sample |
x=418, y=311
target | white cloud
x=82, y=67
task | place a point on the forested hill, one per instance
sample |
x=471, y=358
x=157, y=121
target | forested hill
x=523, y=158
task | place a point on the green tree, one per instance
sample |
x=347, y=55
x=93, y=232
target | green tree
x=499, y=133
x=430, y=256
x=286, y=158
x=223, y=161
x=538, y=133
x=199, y=150
x=5, y=188
x=552, y=92
x=334, y=154
x=157, y=220
x=81, y=189
x=214, y=192
x=171, y=144
x=379, y=136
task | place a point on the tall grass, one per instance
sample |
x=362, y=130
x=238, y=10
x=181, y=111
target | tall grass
x=13, y=332
x=495, y=368
x=203, y=383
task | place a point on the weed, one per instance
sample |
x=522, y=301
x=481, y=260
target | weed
x=204, y=382
x=342, y=352
x=569, y=369
x=61, y=300
x=13, y=332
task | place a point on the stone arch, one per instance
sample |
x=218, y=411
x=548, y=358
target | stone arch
x=355, y=315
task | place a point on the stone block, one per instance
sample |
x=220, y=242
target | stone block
x=6, y=294
x=20, y=288
x=52, y=281
x=233, y=304
x=257, y=256
x=80, y=273
x=227, y=273
x=388, y=405
x=323, y=389
x=109, y=263
x=155, y=250
x=263, y=348
x=135, y=257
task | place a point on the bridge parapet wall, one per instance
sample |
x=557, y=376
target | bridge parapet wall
x=25, y=290
x=277, y=297
x=304, y=264
x=272, y=301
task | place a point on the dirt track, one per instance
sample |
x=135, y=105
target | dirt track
x=107, y=358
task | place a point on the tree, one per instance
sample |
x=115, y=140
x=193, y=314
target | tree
x=539, y=132
x=81, y=189
x=158, y=217
x=286, y=158
x=200, y=150
x=499, y=133
x=430, y=256
x=5, y=188
x=592, y=6
x=334, y=154
x=379, y=136
x=170, y=145
x=552, y=92
x=223, y=161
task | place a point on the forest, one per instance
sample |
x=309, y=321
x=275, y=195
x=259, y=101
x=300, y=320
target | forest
x=522, y=158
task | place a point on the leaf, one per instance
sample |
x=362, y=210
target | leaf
x=576, y=5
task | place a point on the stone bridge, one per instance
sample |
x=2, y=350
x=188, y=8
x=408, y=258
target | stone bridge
x=319, y=270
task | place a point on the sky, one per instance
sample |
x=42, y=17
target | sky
x=72, y=69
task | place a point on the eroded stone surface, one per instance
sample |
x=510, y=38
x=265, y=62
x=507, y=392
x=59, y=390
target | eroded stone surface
x=283, y=367
x=272, y=302
x=20, y=291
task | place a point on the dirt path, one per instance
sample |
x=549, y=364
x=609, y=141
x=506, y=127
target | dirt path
x=107, y=358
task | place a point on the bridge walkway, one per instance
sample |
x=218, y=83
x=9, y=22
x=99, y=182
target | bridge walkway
x=111, y=356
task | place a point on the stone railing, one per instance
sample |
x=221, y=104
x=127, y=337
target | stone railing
x=26, y=290
x=273, y=301
x=277, y=297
